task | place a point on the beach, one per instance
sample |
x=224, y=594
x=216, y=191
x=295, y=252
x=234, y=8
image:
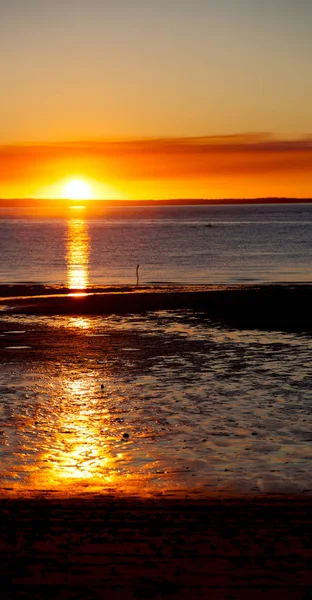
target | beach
x=163, y=483
x=156, y=300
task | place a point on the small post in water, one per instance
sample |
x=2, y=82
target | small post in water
x=137, y=274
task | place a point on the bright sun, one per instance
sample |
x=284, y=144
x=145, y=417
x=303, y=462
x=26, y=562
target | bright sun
x=76, y=189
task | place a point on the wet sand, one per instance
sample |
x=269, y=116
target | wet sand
x=166, y=546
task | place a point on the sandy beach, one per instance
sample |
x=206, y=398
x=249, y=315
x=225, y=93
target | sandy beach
x=193, y=528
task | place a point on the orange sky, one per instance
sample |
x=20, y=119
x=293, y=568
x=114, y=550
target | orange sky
x=210, y=167
x=157, y=76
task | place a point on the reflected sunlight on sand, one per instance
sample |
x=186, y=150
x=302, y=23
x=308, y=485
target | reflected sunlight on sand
x=156, y=403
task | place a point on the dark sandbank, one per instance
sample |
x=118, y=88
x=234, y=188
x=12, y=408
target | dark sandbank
x=279, y=307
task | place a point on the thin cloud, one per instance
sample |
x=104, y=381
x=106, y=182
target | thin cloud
x=163, y=158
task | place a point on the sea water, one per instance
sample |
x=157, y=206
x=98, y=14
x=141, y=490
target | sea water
x=178, y=244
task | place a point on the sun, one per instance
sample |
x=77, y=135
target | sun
x=77, y=189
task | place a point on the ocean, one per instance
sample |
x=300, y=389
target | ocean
x=228, y=244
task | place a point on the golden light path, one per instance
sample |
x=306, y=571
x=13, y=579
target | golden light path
x=77, y=254
x=82, y=450
x=79, y=453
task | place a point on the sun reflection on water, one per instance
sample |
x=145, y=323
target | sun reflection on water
x=79, y=323
x=79, y=452
x=77, y=254
x=82, y=445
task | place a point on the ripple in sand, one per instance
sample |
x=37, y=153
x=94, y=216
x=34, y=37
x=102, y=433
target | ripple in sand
x=15, y=332
x=17, y=347
x=131, y=349
x=97, y=335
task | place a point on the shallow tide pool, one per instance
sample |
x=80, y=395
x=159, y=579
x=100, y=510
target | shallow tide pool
x=162, y=403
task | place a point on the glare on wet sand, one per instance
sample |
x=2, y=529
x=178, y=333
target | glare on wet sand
x=163, y=403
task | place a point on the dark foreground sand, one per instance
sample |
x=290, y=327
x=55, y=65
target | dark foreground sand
x=103, y=547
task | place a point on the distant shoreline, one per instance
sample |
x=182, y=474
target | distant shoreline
x=34, y=202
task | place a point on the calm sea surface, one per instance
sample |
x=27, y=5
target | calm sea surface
x=200, y=244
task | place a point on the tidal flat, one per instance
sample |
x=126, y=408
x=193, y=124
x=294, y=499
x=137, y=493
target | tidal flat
x=161, y=451
x=154, y=402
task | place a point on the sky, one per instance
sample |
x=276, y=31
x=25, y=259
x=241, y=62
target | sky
x=93, y=89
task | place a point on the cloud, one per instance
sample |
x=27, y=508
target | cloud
x=163, y=158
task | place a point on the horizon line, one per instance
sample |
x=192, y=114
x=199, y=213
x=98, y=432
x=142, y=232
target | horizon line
x=253, y=199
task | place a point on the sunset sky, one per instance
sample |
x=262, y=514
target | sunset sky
x=156, y=98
